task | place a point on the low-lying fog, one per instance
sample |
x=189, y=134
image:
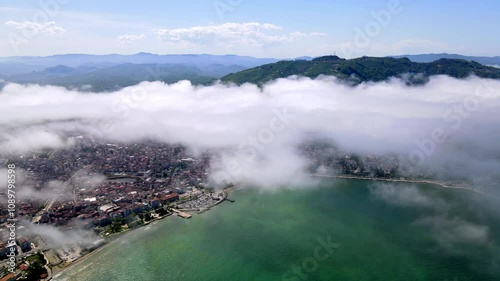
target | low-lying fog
x=444, y=122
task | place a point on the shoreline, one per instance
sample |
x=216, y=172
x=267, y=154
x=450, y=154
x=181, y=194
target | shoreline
x=108, y=240
x=59, y=269
x=431, y=182
x=56, y=270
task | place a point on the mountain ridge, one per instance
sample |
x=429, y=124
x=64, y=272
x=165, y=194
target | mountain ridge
x=433, y=57
x=363, y=69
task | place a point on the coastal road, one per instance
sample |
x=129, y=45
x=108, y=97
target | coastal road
x=442, y=184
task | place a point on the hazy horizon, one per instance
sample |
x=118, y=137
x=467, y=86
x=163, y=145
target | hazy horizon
x=374, y=28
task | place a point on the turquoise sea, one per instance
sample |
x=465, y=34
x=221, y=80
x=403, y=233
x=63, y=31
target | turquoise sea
x=339, y=230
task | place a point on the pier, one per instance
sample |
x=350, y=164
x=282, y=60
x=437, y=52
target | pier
x=182, y=214
x=225, y=195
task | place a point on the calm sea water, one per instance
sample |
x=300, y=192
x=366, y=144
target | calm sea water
x=342, y=230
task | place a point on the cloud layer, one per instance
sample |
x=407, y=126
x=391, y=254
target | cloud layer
x=447, y=124
x=249, y=33
x=128, y=38
x=32, y=28
x=457, y=226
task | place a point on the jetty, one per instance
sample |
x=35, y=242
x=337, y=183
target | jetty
x=182, y=214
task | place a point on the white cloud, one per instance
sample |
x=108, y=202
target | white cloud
x=128, y=38
x=453, y=233
x=407, y=196
x=239, y=122
x=249, y=33
x=36, y=140
x=56, y=237
x=30, y=27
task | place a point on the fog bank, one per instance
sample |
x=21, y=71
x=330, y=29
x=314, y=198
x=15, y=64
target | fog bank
x=445, y=123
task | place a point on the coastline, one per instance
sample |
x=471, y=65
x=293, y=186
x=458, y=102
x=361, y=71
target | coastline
x=57, y=270
x=432, y=182
x=182, y=250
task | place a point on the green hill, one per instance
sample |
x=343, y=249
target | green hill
x=362, y=69
x=119, y=76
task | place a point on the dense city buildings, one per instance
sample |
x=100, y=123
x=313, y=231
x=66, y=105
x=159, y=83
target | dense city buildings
x=103, y=187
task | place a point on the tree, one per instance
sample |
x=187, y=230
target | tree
x=36, y=268
x=116, y=226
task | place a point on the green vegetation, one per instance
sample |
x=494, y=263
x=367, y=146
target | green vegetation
x=119, y=76
x=36, y=267
x=363, y=69
x=117, y=224
x=161, y=212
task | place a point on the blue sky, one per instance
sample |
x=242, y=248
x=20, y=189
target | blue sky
x=259, y=28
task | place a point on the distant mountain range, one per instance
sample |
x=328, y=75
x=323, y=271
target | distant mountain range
x=355, y=71
x=434, y=57
x=24, y=64
x=112, y=72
